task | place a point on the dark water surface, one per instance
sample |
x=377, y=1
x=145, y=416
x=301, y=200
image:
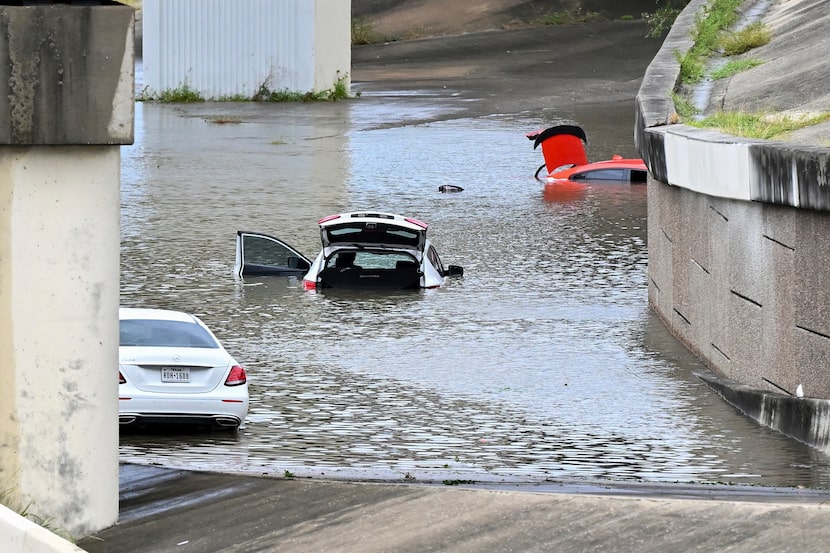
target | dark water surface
x=543, y=362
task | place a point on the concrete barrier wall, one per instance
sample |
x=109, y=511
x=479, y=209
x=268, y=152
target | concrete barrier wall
x=738, y=270
x=21, y=535
x=804, y=419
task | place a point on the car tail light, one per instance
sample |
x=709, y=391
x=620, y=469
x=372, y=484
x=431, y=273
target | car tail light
x=121, y=379
x=236, y=377
x=309, y=285
x=328, y=218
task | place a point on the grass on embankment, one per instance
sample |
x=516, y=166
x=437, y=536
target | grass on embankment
x=713, y=38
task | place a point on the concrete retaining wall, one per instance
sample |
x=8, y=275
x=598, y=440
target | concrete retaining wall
x=744, y=285
x=804, y=419
x=738, y=270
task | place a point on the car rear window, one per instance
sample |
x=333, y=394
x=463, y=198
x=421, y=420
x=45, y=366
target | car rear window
x=148, y=332
x=373, y=233
x=602, y=174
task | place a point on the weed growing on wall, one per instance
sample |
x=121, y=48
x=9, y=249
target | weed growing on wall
x=10, y=500
x=768, y=126
x=187, y=95
x=181, y=95
x=338, y=91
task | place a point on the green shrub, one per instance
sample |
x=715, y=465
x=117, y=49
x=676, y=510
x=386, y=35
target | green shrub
x=182, y=95
x=752, y=36
x=685, y=108
x=661, y=20
x=716, y=17
x=363, y=32
x=568, y=17
x=759, y=125
x=338, y=91
x=734, y=67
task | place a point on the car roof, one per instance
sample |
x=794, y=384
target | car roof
x=125, y=313
x=615, y=163
x=373, y=217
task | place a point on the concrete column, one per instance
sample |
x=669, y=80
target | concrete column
x=67, y=75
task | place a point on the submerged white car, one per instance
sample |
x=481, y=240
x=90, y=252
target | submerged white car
x=172, y=369
x=361, y=250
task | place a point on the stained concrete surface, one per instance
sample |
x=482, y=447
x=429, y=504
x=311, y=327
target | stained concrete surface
x=165, y=510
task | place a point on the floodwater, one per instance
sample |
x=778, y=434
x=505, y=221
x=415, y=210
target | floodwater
x=544, y=362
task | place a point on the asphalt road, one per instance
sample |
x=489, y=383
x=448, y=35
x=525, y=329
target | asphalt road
x=524, y=70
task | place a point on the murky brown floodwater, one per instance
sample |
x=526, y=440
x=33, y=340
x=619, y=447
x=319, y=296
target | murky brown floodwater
x=543, y=362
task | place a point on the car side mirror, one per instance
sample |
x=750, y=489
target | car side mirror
x=454, y=271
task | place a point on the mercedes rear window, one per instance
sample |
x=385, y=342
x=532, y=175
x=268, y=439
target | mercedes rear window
x=147, y=332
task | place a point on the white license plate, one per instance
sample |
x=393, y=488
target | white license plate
x=175, y=374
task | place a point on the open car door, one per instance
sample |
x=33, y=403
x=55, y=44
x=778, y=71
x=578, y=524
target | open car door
x=259, y=255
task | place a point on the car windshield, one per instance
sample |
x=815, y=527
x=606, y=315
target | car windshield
x=149, y=332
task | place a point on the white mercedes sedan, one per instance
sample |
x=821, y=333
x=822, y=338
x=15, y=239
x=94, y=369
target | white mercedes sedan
x=172, y=369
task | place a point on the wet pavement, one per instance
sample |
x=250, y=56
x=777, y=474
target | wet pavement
x=165, y=511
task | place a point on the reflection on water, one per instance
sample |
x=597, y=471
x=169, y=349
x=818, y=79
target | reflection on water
x=544, y=361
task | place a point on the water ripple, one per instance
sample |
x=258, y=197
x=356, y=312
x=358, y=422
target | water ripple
x=544, y=361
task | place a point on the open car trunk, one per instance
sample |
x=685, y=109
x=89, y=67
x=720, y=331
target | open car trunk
x=370, y=269
x=372, y=229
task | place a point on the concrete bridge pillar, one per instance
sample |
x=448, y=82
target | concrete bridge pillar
x=66, y=72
